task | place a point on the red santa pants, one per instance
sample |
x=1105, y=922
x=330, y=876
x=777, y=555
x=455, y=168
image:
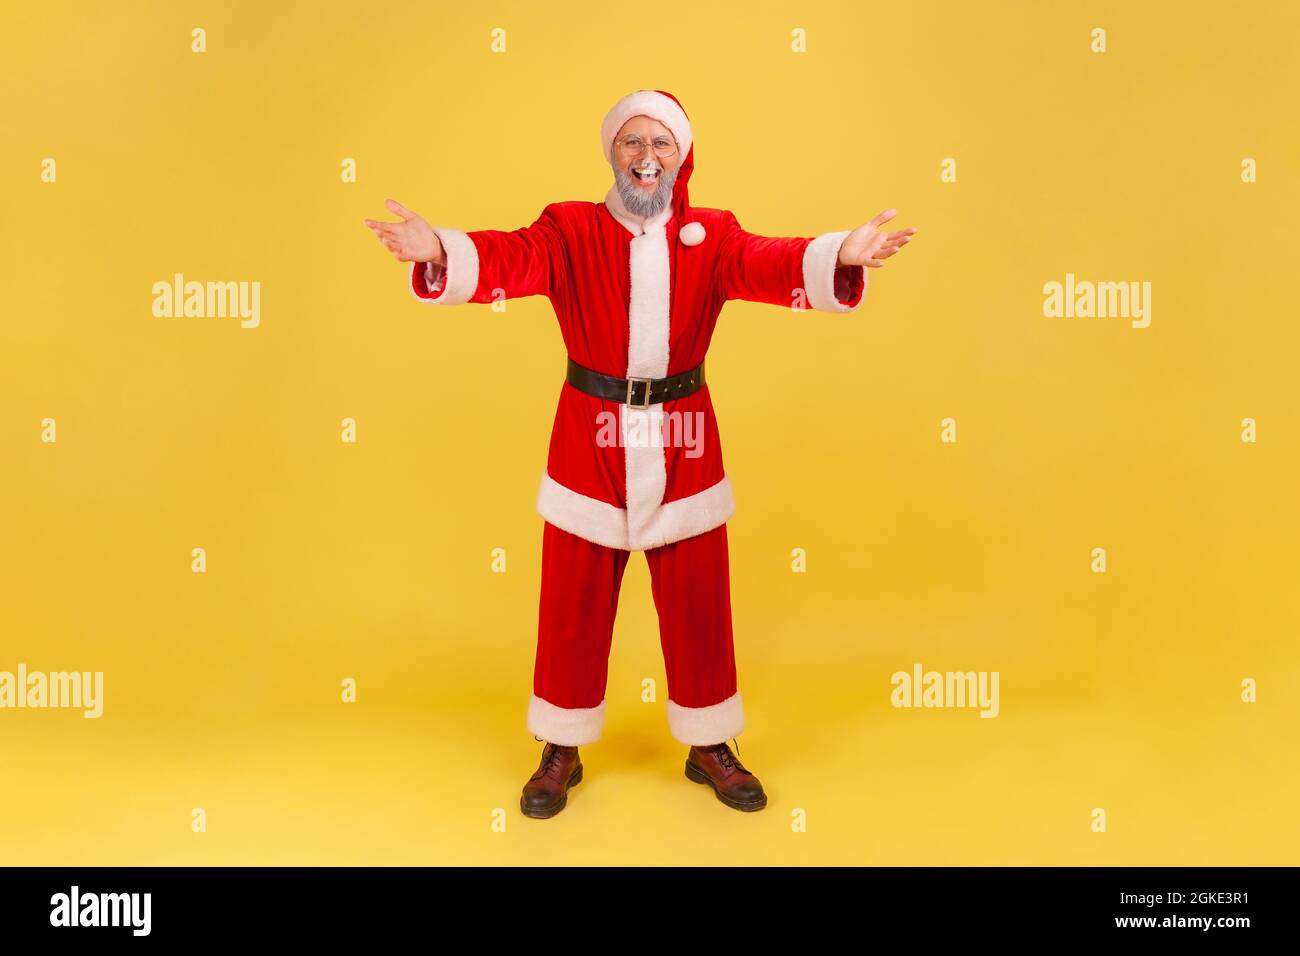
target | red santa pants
x=579, y=600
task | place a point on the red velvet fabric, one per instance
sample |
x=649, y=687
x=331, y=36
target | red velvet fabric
x=577, y=255
x=579, y=601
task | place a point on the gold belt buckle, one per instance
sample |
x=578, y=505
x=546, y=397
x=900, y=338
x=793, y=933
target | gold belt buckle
x=631, y=388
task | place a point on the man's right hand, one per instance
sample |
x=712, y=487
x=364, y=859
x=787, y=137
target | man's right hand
x=411, y=240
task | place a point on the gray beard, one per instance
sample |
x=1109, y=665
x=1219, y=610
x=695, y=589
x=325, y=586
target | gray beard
x=636, y=201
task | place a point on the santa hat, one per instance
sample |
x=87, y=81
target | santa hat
x=655, y=104
x=665, y=108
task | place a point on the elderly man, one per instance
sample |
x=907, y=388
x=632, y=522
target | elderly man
x=637, y=282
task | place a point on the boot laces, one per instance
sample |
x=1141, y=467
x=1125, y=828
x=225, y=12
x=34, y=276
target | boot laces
x=727, y=760
x=550, y=757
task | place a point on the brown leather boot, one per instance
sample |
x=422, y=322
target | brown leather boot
x=719, y=768
x=547, y=790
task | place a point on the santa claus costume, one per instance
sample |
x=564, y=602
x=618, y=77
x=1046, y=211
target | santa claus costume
x=637, y=300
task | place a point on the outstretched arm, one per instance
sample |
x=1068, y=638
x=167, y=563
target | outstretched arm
x=450, y=267
x=825, y=273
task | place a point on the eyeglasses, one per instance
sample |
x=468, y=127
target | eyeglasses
x=634, y=145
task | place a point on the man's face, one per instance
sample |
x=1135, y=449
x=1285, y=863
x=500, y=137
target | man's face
x=644, y=177
x=645, y=167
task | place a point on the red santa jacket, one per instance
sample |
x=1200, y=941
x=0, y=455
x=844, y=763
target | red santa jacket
x=637, y=299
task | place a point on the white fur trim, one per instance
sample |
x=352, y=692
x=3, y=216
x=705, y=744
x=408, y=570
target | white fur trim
x=819, y=262
x=645, y=103
x=704, y=726
x=647, y=307
x=647, y=471
x=578, y=514
x=692, y=234
x=460, y=279
x=566, y=726
x=605, y=524
x=685, y=517
x=647, y=357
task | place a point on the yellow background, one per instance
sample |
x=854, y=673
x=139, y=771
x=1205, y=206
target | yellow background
x=327, y=560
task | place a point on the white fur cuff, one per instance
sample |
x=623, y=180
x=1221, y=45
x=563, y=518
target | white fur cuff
x=460, y=278
x=820, y=260
x=704, y=726
x=566, y=726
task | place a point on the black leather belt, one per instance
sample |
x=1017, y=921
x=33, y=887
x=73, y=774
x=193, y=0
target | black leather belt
x=635, y=392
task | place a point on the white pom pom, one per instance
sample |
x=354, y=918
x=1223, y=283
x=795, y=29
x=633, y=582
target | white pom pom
x=692, y=234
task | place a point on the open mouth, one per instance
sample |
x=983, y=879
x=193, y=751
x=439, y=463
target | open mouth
x=646, y=175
